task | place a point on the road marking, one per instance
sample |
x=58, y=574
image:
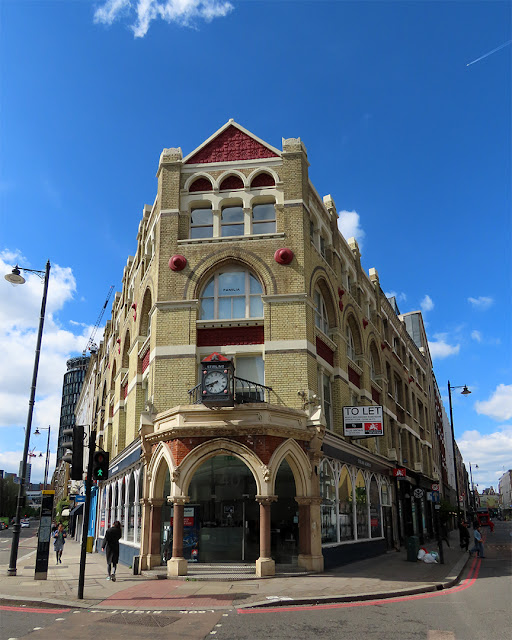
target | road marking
x=56, y=619
x=37, y=628
x=33, y=610
x=468, y=582
x=434, y=634
x=27, y=556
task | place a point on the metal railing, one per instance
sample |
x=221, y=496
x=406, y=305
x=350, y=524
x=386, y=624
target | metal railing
x=245, y=391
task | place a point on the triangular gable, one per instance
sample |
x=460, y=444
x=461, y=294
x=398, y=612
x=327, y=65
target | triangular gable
x=231, y=143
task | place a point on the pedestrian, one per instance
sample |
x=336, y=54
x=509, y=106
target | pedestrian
x=59, y=536
x=464, y=535
x=479, y=547
x=111, y=547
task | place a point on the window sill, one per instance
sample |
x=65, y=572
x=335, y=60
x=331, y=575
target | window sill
x=218, y=239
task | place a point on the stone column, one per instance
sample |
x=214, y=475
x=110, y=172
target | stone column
x=310, y=534
x=177, y=565
x=265, y=565
x=153, y=557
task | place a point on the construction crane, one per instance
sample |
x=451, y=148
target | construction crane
x=91, y=345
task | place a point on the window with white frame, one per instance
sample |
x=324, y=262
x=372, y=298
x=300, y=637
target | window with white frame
x=264, y=218
x=328, y=507
x=351, y=350
x=324, y=385
x=232, y=221
x=321, y=319
x=231, y=294
x=201, y=222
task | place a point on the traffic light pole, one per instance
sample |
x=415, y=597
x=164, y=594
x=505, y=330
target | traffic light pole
x=87, y=510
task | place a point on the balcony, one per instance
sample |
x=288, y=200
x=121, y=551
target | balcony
x=245, y=391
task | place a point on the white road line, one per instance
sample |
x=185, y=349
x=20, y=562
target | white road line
x=27, y=556
x=56, y=619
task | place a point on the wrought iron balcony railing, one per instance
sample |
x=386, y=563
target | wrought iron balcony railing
x=245, y=391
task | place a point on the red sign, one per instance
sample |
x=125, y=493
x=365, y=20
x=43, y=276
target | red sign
x=400, y=472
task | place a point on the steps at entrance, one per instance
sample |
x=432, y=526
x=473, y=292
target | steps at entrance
x=224, y=572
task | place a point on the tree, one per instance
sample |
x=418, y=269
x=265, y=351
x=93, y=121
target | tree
x=8, y=497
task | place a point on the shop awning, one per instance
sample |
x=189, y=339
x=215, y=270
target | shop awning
x=65, y=513
x=76, y=510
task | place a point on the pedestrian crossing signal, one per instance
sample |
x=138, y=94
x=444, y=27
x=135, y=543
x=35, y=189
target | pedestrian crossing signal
x=100, y=464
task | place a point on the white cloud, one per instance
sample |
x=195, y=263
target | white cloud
x=440, y=347
x=427, y=304
x=181, y=12
x=399, y=297
x=499, y=405
x=492, y=453
x=482, y=303
x=476, y=335
x=348, y=224
x=19, y=321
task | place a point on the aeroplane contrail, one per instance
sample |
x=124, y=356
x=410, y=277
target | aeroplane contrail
x=489, y=53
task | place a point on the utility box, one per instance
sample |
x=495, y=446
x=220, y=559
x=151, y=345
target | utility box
x=90, y=543
x=413, y=546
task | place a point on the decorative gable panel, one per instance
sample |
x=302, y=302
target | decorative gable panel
x=229, y=146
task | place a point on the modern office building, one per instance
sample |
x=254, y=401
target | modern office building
x=245, y=333
x=71, y=387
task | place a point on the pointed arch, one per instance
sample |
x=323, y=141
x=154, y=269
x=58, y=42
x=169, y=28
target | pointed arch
x=320, y=283
x=230, y=180
x=201, y=179
x=352, y=329
x=221, y=446
x=126, y=351
x=161, y=461
x=144, y=325
x=299, y=464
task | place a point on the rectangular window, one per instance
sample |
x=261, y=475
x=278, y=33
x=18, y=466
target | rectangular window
x=232, y=222
x=201, y=223
x=264, y=218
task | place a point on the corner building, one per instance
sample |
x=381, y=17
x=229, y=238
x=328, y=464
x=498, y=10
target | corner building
x=240, y=256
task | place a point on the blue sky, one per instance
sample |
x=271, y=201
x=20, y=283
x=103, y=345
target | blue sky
x=413, y=145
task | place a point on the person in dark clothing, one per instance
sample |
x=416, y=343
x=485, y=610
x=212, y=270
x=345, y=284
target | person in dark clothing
x=111, y=547
x=464, y=535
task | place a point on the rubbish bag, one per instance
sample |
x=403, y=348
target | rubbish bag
x=421, y=554
x=429, y=558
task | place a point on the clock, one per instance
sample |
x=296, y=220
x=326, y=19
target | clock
x=215, y=381
x=217, y=374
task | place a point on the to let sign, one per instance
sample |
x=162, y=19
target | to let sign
x=361, y=422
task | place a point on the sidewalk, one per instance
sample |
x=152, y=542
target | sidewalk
x=385, y=576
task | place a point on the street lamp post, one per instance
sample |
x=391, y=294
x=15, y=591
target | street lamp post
x=465, y=391
x=16, y=278
x=46, y=466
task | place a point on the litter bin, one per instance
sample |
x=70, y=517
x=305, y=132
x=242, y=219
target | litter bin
x=413, y=546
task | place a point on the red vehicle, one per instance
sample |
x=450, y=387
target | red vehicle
x=484, y=519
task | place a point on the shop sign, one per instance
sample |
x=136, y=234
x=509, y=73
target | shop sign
x=188, y=517
x=401, y=472
x=418, y=493
x=363, y=422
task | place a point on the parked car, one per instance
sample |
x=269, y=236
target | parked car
x=25, y=524
x=3, y=525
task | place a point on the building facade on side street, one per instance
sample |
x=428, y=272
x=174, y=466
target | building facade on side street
x=505, y=490
x=239, y=259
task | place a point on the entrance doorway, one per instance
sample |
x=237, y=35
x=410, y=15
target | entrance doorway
x=224, y=490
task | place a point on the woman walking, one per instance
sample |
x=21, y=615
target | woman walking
x=111, y=547
x=59, y=541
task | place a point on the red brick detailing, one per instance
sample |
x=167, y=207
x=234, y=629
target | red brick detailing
x=231, y=183
x=324, y=351
x=124, y=390
x=201, y=184
x=375, y=396
x=231, y=145
x=354, y=377
x=230, y=335
x=145, y=360
x=263, y=180
x=262, y=445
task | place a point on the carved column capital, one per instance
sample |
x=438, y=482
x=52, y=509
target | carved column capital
x=178, y=500
x=266, y=500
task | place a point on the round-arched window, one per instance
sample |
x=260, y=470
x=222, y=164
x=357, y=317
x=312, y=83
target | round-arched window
x=232, y=294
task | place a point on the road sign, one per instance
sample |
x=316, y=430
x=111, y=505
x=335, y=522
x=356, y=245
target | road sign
x=435, y=487
x=436, y=497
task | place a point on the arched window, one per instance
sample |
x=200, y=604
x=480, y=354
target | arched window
x=201, y=222
x=262, y=180
x=321, y=319
x=232, y=221
x=232, y=294
x=328, y=507
x=201, y=184
x=346, y=511
x=351, y=349
x=361, y=507
x=231, y=183
x=264, y=218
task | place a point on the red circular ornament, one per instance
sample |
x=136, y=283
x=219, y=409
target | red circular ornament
x=177, y=263
x=283, y=256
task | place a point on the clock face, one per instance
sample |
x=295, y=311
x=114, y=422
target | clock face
x=215, y=382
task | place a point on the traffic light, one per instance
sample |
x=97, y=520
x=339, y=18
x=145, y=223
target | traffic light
x=100, y=463
x=75, y=451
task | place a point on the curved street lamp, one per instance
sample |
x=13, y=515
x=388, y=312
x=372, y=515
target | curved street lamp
x=465, y=391
x=46, y=465
x=14, y=278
